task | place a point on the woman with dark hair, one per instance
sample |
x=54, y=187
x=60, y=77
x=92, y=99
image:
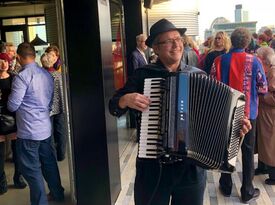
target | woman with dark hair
x=54, y=51
x=5, y=133
x=52, y=55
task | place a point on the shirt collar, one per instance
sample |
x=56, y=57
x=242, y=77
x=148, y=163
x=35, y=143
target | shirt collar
x=28, y=66
x=237, y=50
x=140, y=51
x=163, y=67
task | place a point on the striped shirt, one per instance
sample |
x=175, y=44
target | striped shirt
x=243, y=72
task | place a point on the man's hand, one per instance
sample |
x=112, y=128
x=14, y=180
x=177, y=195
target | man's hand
x=134, y=100
x=246, y=127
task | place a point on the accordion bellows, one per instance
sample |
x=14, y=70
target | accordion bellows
x=192, y=116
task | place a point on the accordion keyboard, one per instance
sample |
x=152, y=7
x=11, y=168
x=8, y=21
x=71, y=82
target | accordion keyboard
x=150, y=140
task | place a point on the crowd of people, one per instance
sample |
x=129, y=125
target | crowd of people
x=243, y=61
x=32, y=112
x=32, y=116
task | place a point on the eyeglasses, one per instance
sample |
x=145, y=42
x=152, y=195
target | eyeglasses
x=170, y=42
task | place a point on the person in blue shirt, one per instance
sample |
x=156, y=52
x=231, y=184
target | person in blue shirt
x=31, y=99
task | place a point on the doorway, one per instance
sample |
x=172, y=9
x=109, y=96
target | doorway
x=39, y=19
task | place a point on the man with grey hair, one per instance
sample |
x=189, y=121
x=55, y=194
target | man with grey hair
x=138, y=60
x=243, y=72
x=138, y=57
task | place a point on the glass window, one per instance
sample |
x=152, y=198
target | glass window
x=40, y=30
x=36, y=20
x=16, y=37
x=13, y=22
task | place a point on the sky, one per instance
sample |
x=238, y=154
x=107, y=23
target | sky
x=263, y=13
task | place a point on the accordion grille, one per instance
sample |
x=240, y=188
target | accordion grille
x=208, y=120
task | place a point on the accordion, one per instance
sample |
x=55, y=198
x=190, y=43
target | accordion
x=192, y=116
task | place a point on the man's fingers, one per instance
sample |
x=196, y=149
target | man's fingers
x=141, y=105
x=140, y=108
x=246, y=127
x=242, y=133
x=140, y=102
x=143, y=99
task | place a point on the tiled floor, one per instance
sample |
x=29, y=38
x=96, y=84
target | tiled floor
x=128, y=151
x=212, y=195
x=21, y=196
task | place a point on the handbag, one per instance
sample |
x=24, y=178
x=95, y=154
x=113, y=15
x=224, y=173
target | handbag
x=7, y=124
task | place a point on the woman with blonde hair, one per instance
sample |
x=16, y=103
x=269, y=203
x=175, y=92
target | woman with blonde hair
x=190, y=57
x=266, y=115
x=220, y=45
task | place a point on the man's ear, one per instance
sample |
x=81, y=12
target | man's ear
x=155, y=48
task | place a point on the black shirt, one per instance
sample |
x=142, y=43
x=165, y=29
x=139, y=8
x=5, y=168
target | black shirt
x=210, y=59
x=5, y=90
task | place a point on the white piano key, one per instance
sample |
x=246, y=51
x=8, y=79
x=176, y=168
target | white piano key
x=146, y=147
x=145, y=135
x=143, y=155
x=153, y=79
x=147, y=113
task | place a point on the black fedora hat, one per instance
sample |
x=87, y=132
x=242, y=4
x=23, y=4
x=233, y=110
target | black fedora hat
x=159, y=27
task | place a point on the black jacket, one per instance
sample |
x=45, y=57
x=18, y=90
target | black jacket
x=135, y=83
x=193, y=175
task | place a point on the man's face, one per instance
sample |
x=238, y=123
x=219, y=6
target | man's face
x=169, y=47
x=141, y=44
